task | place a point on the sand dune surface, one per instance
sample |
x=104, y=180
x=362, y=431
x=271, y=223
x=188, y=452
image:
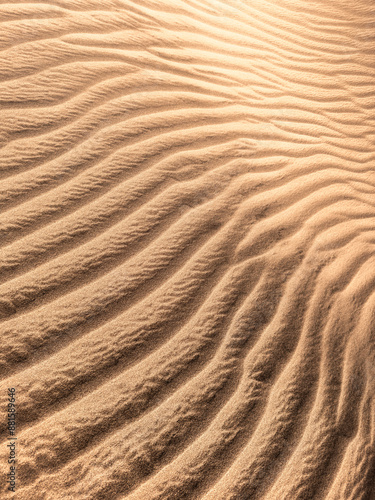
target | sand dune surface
x=187, y=259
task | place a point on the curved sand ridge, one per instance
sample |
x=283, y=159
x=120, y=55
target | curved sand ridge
x=188, y=248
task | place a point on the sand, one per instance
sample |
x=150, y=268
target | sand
x=187, y=293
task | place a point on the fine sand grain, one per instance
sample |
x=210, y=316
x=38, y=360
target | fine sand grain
x=187, y=261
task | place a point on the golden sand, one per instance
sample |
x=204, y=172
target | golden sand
x=187, y=259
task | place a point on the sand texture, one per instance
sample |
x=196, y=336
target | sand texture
x=187, y=260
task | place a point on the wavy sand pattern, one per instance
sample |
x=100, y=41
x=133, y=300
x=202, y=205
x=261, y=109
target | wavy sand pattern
x=188, y=248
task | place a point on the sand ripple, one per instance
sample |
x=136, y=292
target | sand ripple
x=187, y=293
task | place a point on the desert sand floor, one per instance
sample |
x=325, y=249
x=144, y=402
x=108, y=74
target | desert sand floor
x=188, y=248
